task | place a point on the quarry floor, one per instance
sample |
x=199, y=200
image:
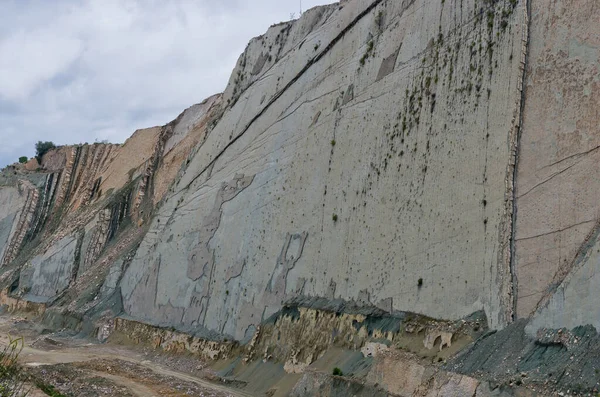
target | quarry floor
x=82, y=367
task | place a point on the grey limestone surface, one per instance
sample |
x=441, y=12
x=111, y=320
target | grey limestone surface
x=50, y=273
x=11, y=204
x=373, y=147
x=557, y=183
x=414, y=156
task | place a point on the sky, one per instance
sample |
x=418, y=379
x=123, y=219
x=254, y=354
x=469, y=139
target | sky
x=76, y=71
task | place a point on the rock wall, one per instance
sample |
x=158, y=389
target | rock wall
x=14, y=206
x=557, y=210
x=49, y=274
x=374, y=168
x=436, y=158
x=64, y=224
x=189, y=130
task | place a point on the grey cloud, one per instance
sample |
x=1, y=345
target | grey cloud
x=79, y=71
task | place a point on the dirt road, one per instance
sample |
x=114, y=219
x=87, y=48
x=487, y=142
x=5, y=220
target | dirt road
x=73, y=361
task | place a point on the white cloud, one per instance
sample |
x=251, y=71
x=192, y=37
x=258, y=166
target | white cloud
x=77, y=71
x=30, y=58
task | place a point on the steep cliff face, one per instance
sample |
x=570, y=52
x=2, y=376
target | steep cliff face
x=402, y=156
x=13, y=201
x=557, y=220
x=377, y=156
x=86, y=202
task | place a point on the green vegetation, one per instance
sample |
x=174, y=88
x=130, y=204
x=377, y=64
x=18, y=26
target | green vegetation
x=12, y=383
x=333, y=142
x=370, y=46
x=337, y=372
x=49, y=390
x=334, y=217
x=379, y=20
x=420, y=282
x=23, y=159
x=41, y=148
x=490, y=19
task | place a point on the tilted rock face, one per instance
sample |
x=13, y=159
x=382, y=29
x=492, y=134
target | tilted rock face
x=378, y=155
x=409, y=156
x=12, y=202
x=557, y=187
x=188, y=131
x=64, y=224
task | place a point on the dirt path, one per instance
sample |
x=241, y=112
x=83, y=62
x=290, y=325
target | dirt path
x=36, y=357
x=135, y=388
x=81, y=355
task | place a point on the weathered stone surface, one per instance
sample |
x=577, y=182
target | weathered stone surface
x=130, y=159
x=398, y=376
x=94, y=239
x=558, y=153
x=21, y=222
x=372, y=157
x=190, y=119
x=11, y=203
x=173, y=341
x=189, y=129
x=574, y=302
x=552, y=362
x=111, y=281
x=49, y=274
x=102, y=193
x=321, y=385
x=399, y=179
x=32, y=165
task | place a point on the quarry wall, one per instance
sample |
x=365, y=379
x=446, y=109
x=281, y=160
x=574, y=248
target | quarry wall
x=405, y=174
x=414, y=156
x=557, y=213
x=365, y=155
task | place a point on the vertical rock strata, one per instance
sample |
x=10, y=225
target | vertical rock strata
x=62, y=225
x=431, y=157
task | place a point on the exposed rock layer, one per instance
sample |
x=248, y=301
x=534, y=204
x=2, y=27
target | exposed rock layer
x=400, y=172
x=410, y=156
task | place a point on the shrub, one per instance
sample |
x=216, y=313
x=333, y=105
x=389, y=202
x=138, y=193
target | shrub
x=337, y=372
x=41, y=148
x=334, y=217
x=420, y=282
x=23, y=159
x=12, y=382
x=49, y=390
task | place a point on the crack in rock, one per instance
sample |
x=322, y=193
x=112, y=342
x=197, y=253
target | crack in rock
x=201, y=257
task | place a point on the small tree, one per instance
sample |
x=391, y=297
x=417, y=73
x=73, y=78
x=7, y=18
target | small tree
x=23, y=159
x=41, y=148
